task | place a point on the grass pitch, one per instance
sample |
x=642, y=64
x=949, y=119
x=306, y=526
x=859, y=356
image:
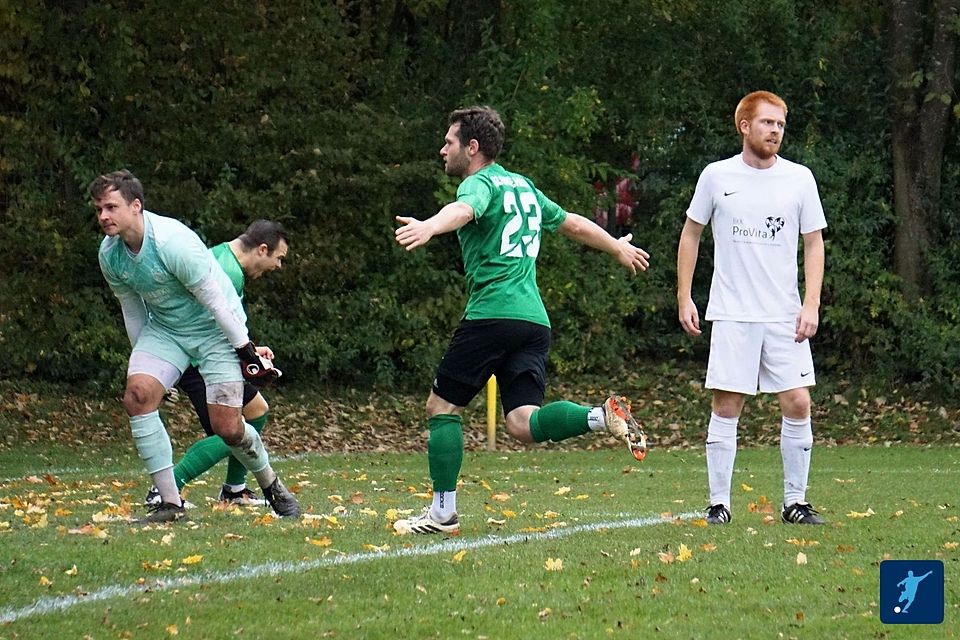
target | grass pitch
x=582, y=544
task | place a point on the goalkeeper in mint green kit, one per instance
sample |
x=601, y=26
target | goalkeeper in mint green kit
x=178, y=306
x=499, y=217
x=258, y=250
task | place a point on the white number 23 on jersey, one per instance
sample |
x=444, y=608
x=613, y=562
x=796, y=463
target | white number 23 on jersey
x=513, y=242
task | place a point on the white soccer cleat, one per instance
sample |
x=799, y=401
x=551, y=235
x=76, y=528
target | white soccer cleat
x=424, y=523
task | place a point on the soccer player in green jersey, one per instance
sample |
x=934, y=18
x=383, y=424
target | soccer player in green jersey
x=499, y=217
x=258, y=250
x=178, y=306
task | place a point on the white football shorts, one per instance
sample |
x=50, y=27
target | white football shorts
x=745, y=356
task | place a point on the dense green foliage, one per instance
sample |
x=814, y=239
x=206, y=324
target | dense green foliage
x=328, y=116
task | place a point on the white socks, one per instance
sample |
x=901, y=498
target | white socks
x=444, y=505
x=596, y=420
x=166, y=485
x=796, y=440
x=721, y=454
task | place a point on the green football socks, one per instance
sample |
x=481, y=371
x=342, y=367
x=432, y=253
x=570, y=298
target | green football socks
x=445, y=451
x=558, y=421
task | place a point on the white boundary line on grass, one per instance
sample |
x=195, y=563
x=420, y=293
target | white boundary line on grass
x=46, y=605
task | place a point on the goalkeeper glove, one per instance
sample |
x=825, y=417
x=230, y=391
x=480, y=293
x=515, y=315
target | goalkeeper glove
x=256, y=370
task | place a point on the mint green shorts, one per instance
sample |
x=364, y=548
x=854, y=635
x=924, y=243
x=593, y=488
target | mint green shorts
x=213, y=354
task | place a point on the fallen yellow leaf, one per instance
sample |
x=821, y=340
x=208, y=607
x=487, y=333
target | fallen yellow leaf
x=192, y=559
x=860, y=514
x=45, y=581
x=72, y=571
x=500, y=497
x=553, y=564
x=265, y=519
x=683, y=553
x=562, y=491
x=745, y=487
x=501, y=601
x=458, y=556
x=172, y=630
x=950, y=546
x=319, y=542
x=802, y=542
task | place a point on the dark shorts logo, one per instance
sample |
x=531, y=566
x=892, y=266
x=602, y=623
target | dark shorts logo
x=911, y=592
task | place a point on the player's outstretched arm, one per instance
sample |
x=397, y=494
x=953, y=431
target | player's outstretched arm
x=413, y=233
x=589, y=233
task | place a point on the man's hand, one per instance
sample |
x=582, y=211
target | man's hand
x=689, y=317
x=632, y=257
x=413, y=233
x=807, y=323
x=257, y=370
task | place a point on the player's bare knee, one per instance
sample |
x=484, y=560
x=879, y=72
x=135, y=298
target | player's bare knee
x=436, y=406
x=795, y=403
x=136, y=399
x=517, y=424
x=231, y=429
x=255, y=408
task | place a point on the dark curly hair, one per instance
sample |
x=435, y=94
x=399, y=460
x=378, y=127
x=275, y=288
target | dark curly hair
x=482, y=124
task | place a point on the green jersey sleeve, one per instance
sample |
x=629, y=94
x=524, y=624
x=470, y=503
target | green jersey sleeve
x=553, y=214
x=476, y=191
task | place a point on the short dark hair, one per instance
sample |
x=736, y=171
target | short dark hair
x=483, y=124
x=123, y=181
x=265, y=232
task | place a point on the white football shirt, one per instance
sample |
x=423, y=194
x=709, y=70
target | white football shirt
x=757, y=216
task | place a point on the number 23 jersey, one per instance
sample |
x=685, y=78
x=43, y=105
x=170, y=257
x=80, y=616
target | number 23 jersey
x=500, y=245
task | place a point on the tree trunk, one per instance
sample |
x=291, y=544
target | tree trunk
x=923, y=70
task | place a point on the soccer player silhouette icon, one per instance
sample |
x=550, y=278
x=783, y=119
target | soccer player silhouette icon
x=909, y=585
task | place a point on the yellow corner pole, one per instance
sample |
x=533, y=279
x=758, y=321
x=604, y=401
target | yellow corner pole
x=492, y=413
